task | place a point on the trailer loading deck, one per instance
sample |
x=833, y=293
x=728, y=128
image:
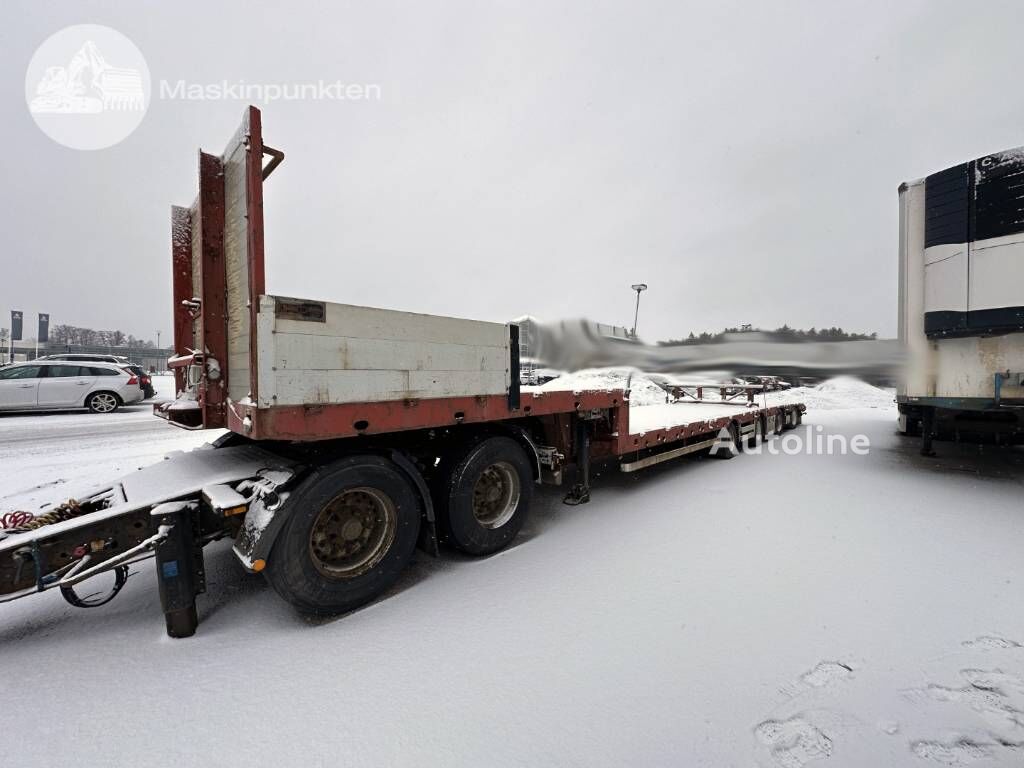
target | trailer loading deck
x=356, y=433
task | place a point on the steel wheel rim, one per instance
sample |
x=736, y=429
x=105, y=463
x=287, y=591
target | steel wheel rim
x=496, y=495
x=104, y=403
x=353, y=532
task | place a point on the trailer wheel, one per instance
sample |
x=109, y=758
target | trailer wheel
x=352, y=529
x=780, y=422
x=755, y=437
x=723, y=449
x=790, y=420
x=487, y=496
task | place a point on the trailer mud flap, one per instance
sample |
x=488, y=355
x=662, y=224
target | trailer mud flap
x=263, y=521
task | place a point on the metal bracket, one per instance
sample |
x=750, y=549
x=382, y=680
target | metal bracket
x=277, y=158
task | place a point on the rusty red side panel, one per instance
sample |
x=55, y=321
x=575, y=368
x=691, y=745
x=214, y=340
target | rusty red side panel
x=325, y=422
x=200, y=271
x=257, y=271
x=213, y=320
x=181, y=286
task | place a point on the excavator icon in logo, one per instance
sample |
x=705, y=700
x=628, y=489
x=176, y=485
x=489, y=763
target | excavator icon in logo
x=87, y=85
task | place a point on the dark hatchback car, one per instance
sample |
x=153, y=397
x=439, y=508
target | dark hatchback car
x=144, y=380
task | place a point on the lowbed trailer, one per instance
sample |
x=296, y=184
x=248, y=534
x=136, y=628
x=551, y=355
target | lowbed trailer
x=355, y=434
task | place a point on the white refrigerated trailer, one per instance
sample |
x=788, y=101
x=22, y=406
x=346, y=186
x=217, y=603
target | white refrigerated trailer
x=961, y=302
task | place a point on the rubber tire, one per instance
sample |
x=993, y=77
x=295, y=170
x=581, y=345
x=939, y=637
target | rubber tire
x=780, y=420
x=752, y=440
x=786, y=425
x=459, y=526
x=725, y=453
x=89, y=405
x=290, y=568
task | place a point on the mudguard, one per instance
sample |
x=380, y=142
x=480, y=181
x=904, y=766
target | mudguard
x=267, y=515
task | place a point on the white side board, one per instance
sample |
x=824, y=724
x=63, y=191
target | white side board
x=339, y=353
x=236, y=264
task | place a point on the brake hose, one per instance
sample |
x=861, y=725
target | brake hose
x=67, y=591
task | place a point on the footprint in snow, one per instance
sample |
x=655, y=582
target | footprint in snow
x=993, y=679
x=962, y=752
x=990, y=643
x=826, y=672
x=994, y=694
x=823, y=674
x=989, y=702
x=793, y=743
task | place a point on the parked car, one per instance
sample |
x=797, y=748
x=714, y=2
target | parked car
x=145, y=382
x=86, y=357
x=55, y=385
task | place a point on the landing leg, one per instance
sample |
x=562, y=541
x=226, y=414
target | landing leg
x=179, y=568
x=580, y=493
x=927, y=431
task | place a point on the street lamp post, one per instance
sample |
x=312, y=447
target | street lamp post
x=639, y=288
x=158, y=339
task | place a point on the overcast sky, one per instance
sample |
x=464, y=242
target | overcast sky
x=740, y=158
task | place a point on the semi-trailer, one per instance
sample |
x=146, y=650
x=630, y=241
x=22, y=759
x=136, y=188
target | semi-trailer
x=961, y=302
x=354, y=434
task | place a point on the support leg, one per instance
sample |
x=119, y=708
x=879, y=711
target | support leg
x=580, y=493
x=927, y=431
x=179, y=568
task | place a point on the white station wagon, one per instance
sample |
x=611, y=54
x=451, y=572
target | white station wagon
x=41, y=385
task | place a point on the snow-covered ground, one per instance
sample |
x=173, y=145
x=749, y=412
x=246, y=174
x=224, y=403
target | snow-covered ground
x=772, y=610
x=53, y=455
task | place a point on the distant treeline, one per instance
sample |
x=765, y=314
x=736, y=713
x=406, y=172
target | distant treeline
x=87, y=337
x=785, y=333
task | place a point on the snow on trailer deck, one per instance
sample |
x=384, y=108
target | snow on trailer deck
x=644, y=419
x=653, y=418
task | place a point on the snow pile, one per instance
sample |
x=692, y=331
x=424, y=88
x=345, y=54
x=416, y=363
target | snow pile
x=643, y=391
x=839, y=393
x=835, y=394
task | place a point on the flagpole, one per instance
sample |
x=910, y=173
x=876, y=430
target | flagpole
x=20, y=320
x=42, y=330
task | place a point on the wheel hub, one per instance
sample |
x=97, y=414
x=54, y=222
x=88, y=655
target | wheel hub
x=353, y=532
x=496, y=495
x=103, y=402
